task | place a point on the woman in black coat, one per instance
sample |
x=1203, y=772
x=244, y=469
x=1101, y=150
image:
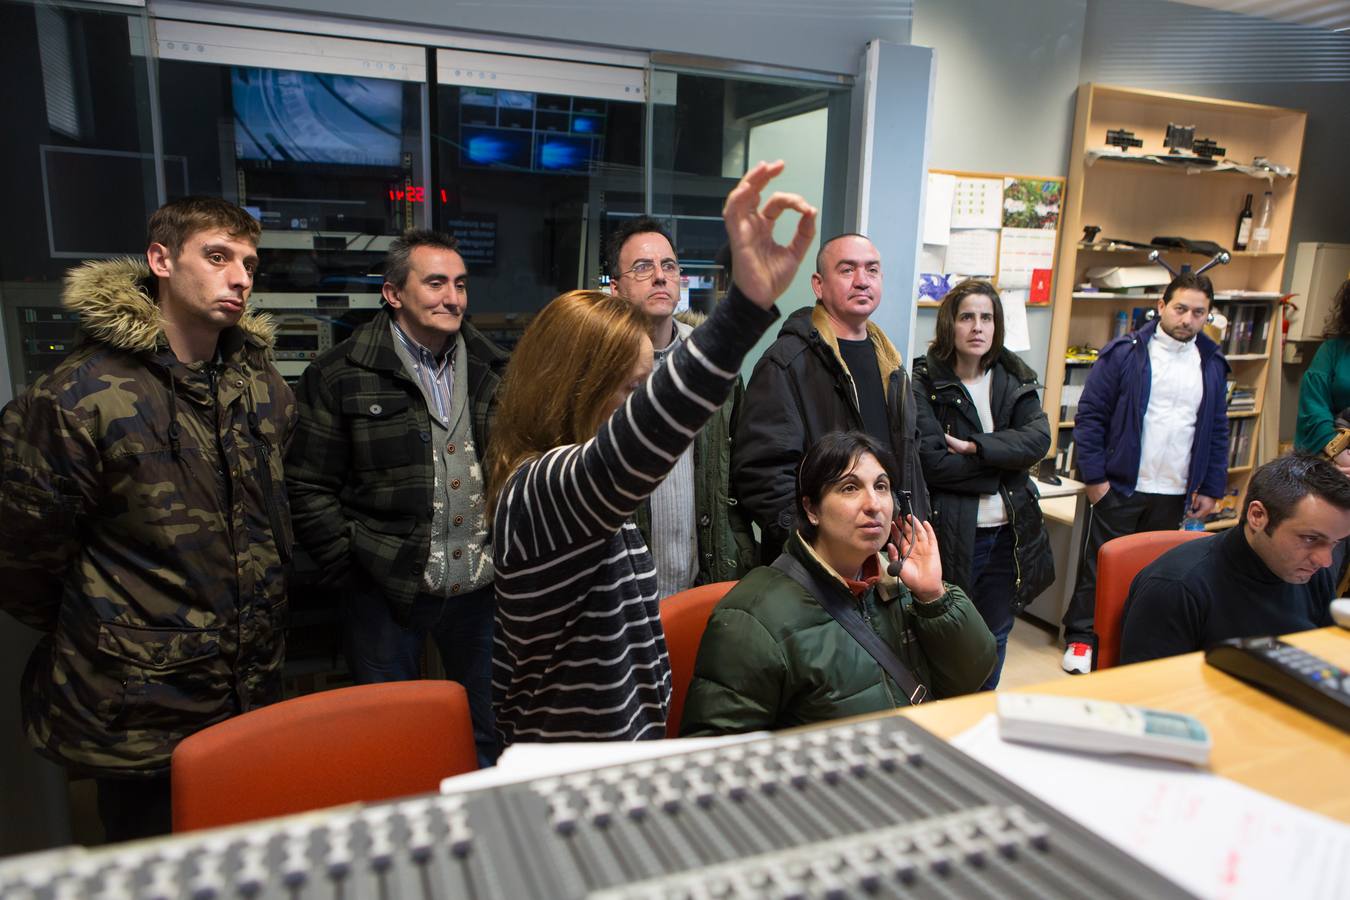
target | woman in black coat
x=981, y=428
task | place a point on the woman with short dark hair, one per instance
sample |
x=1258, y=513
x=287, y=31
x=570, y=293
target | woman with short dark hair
x=778, y=650
x=981, y=427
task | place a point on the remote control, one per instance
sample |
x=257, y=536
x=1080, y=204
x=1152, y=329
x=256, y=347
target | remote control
x=1100, y=726
x=1297, y=677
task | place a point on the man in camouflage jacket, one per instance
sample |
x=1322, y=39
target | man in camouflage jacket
x=143, y=519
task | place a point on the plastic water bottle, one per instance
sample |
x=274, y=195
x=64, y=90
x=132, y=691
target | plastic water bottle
x=1191, y=523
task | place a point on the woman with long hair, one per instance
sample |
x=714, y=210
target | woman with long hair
x=584, y=432
x=780, y=648
x=981, y=428
x=1324, y=392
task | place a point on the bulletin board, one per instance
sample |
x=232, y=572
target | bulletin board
x=998, y=227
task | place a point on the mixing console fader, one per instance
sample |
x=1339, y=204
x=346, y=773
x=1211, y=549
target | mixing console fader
x=872, y=809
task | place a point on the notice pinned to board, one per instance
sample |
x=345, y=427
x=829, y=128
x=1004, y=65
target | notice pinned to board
x=1024, y=250
x=973, y=252
x=1031, y=203
x=1016, y=333
x=977, y=203
x=937, y=209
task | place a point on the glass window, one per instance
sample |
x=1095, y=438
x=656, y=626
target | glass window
x=707, y=130
x=323, y=145
x=530, y=155
x=79, y=164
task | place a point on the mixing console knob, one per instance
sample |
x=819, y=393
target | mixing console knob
x=561, y=816
x=930, y=849
x=420, y=839
x=208, y=883
x=116, y=884
x=252, y=873
x=338, y=860
x=901, y=864
x=664, y=793
x=702, y=791
x=163, y=883
x=1036, y=833
x=460, y=835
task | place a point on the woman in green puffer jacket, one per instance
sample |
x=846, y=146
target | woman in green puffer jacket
x=773, y=657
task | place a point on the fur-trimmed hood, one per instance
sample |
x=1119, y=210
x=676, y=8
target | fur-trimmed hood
x=115, y=302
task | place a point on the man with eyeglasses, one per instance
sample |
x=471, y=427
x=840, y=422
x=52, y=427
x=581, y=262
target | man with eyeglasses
x=831, y=369
x=696, y=533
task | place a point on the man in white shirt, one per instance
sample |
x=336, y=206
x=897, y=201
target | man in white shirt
x=1151, y=437
x=690, y=522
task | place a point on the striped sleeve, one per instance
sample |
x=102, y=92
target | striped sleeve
x=579, y=653
x=583, y=492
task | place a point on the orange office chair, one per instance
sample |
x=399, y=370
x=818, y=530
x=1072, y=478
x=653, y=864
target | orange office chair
x=364, y=743
x=1118, y=561
x=683, y=617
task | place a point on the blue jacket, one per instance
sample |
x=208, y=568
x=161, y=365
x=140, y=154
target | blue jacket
x=1109, y=428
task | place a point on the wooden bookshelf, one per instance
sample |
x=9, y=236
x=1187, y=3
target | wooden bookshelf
x=1136, y=200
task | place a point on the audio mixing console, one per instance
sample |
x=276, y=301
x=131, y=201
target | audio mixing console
x=879, y=808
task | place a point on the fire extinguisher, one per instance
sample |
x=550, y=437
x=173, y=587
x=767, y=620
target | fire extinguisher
x=1287, y=305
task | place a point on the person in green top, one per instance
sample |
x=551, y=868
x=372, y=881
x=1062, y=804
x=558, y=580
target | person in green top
x=1325, y=390
x=773, y=657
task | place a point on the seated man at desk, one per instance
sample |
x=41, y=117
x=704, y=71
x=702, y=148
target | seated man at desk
x=1269, y=575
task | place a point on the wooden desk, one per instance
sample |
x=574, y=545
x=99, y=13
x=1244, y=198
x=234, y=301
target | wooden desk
x=1064, y=507
x=1258, y=741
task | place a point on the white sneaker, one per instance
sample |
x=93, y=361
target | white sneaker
x=1077, y=658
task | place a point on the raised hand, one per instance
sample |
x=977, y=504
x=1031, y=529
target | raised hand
x=761, y=268
x=922, y=572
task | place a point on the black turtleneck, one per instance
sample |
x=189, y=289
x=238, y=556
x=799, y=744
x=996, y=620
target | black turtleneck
x=1210, y=590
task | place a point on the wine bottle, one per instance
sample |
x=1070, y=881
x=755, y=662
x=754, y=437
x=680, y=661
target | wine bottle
x=1244, y=226
x=1261, y=233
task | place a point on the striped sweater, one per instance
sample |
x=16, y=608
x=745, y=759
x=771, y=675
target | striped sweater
x=578, y=652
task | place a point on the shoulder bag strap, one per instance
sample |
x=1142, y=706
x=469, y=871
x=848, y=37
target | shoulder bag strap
x=826, y=593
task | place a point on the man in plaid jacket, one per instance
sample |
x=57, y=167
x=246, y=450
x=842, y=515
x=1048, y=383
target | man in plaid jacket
x=385, y=480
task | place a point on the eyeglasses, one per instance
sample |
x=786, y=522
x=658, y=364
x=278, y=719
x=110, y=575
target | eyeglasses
x=645, y=268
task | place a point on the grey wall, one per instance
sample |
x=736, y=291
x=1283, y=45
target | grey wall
x=1007, y=74
x=902, y=80
x=1187, y=49
x=803, y=34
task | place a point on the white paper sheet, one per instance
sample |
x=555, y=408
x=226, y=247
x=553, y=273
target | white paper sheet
x=1016, y=334
x=937, y=209
x=977, y=203
x=1022, y=250
x=1212, y=836
x=932, y=258
x=523, y=762
x=973, y=252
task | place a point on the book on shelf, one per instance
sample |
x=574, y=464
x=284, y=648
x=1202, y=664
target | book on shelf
x=1240, y=397
x=1075, y=377
x=1065, y=459
x=1240, y=442
x=1248, y=327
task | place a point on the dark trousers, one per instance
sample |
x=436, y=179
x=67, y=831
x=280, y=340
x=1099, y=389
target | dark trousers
x=379, y=649
x=133, y=808
x=1114, y=516
x=992, y=581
